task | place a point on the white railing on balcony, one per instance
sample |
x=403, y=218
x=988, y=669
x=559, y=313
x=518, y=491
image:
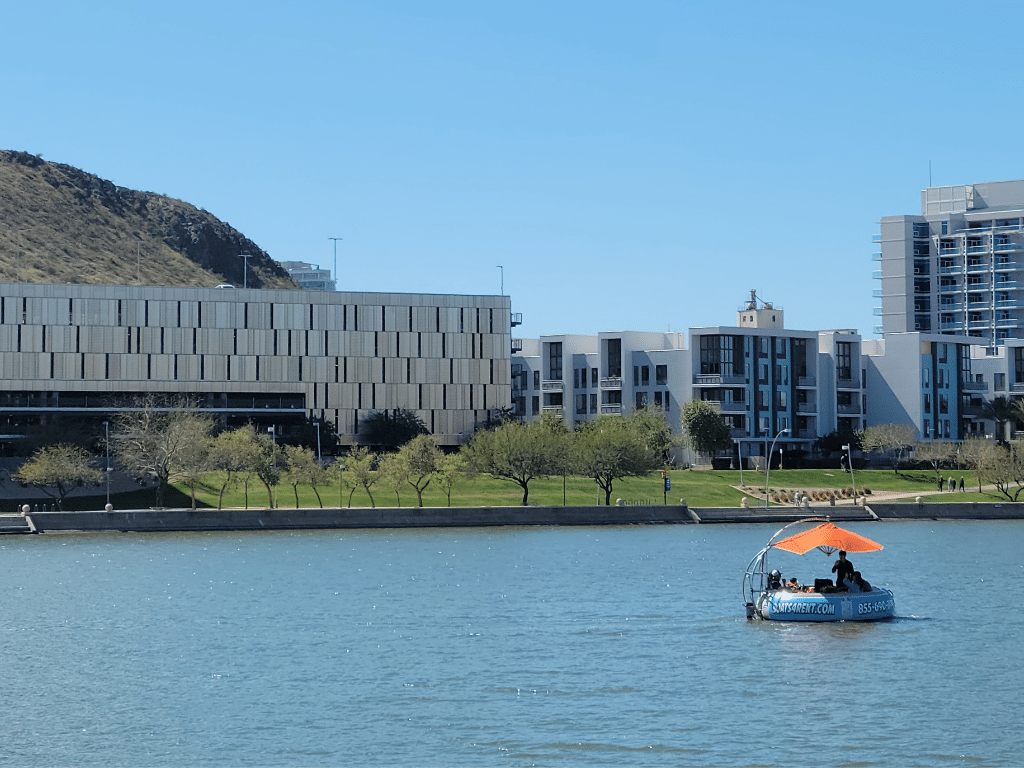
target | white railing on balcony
x=617, y=408
x=552, y=385
x=611, y=382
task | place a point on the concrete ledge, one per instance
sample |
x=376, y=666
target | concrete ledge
x=381, y=517
x=452, y=517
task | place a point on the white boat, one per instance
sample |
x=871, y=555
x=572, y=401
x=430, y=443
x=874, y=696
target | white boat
x=765, y=597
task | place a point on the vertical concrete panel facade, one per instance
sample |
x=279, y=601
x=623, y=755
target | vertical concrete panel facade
x=261, y=355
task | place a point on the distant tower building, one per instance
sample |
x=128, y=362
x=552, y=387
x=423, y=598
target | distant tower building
x=309, y=276
x=958, y=268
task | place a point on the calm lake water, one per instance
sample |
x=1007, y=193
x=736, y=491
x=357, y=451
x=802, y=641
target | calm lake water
x=514, y=646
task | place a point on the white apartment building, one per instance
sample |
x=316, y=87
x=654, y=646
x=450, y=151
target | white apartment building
x=267, y=356
x=958, y=267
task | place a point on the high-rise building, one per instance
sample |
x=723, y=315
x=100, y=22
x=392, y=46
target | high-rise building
x=958, y=267
x=309, y=276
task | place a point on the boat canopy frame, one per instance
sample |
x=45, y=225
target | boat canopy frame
x=755, y=579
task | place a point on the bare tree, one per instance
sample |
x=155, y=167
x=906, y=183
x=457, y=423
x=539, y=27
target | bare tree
x=165, y=438
x=891, y=440
x=935, y=453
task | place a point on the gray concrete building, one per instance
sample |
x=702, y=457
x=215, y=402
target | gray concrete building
x=958, y=267
x=267, y=356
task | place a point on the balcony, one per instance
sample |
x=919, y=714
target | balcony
x=977, y=249
x=847, y=384
x=517, y=345
x=717, y=380
x=952, y=288
x=806, y=407
x=951, y=325
x=555, y=409
x=877, y=274
x=516, y=319
x=611, y=408
x=1007, y=246
x=972, y=411
x=806, y=381
x=740, y=433
x=851, y=409
x=953, y=269
x=611, y=382
x=974, y=386
x=977, y=267
x=552, y=385
x=1008, y=304
x=1006, y=285
x=729, y=406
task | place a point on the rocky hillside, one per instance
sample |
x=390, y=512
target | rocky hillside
x=62, y=225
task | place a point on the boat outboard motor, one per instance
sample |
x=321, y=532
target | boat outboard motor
x=775, y=580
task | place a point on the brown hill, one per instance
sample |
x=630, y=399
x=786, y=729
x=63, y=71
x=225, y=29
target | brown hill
x=63, y=225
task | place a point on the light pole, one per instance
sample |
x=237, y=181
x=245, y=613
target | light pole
x=106, y=427
x=245, y=269
x=849, y=462
x=335, y=273
x=768, y=467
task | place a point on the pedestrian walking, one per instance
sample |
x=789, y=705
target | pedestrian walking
x=940, y=484
x=961, y=484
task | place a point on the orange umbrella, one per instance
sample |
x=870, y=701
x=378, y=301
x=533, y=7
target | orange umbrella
x=828, y=538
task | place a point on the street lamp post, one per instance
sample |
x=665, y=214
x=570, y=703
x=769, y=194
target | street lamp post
x=768, y=467
x=245, y=269
x=106, y=427
x=849, y=463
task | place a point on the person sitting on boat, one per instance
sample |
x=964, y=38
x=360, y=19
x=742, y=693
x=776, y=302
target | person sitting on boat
x=775, y=580
x=843, y=569
x=858, y=583
x=792, y=585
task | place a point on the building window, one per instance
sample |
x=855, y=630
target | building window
x=581, y=404
x=661, y=375
x=593, y=402
x=1000, y=382
x=536, y=380
x=593, y=377
x=614, y=357
x=554, y=360
x=645, y=375
x=641, y=400
x=636, y=375
x=535, y=404
x=844, y=360
x=575, y=378
x=943, y=404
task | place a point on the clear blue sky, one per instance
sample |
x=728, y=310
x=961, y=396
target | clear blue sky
x=634, y=166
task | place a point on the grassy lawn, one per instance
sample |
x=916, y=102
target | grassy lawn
x=710, y=488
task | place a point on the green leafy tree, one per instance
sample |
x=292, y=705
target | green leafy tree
x=359, y=465
x=57, y=470
x=891, y=440
x=303, y=469
x=389, y=430
x=520, y=452
x=394, y=473
x=653, y=428
x=268, y=465
x=165, y=438
x=234, y=453
x=611, y=448
x=704, y=428
x=1002, y=411
x=834, y=441
x=453, y=467
x=422, y=459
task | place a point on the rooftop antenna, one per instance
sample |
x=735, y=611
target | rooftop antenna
x=502, y=278
x=929, y=173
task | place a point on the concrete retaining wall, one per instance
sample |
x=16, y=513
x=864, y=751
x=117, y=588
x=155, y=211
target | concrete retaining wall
x=451, y=517
x=381, y=517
